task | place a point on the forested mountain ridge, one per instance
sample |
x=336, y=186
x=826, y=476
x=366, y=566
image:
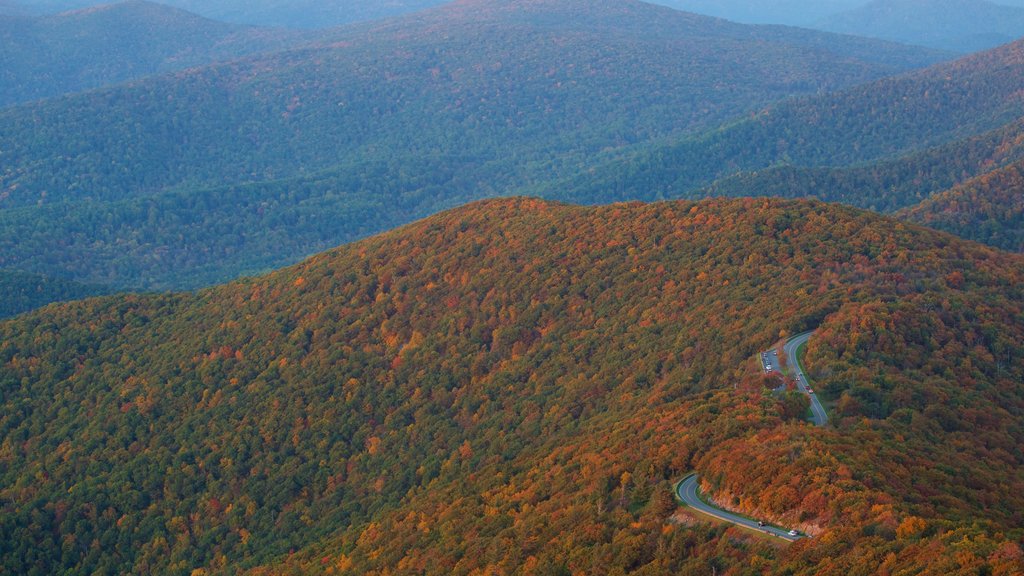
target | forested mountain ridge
x=470, y=100
x=958, y=25
x=23, y=292
x=46, y=56
x=511, y=386
x=988, y=209
x=791, y=12
x=879, y=121
x=277, y=13
x=887, y=185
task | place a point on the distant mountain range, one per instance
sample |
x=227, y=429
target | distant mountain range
x=195, y=177
x=956, y=25
x=790, y=12
x=959, y=114
x=959, y=25
x=277, y=13
x=47, y=56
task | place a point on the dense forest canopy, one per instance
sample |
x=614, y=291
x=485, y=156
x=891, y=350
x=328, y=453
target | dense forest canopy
x=23, y=292
x=196, y=177
x=48, y=56
x=513, y=385
x=988, y=209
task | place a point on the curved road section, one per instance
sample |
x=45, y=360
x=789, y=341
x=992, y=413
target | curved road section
x=687, y=492
x=790, y=348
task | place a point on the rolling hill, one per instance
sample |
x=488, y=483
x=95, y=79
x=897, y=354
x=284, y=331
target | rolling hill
x=512, y=385
x=275, y=13
x=303, y=13
x=790, y=12
x=958, y=25
x=23, y=292
x=389, y=122
x=972, y=104
x=988, y=209
x=46, y=56
x=886, y=185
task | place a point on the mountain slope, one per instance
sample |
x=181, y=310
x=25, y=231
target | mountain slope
x=876, y=122
x=303, y=13
x=958, y=25
x=988, y=209
x=790, y=12
x=23, y=292
x=512, y=385
x=47, y=56
x=886, y=185
x=277, y=13
x=462, y=102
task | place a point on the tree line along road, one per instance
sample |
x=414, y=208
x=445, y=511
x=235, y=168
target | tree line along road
x=687, y=489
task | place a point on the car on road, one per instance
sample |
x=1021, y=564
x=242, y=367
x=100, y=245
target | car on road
x=794, y=533
x=760, y=523
x=809, y=391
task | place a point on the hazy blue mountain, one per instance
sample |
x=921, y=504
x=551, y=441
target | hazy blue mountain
x=958, y=25
x=303, y=13
x=880, y=121
x=286, y=13
x=791, y=12
x=186, y=179
x=46, y=56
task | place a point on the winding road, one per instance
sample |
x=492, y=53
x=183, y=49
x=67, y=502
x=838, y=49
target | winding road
x=687, y=492
x=792, y=345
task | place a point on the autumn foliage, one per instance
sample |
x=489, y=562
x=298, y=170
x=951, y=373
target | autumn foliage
x=511, y=387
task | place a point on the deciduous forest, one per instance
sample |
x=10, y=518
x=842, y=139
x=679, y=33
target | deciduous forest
x=514, y=385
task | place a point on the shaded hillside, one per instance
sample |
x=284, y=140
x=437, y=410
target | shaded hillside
x=287, y=13
x=958, y=25
x=512, y=385
x=988, y=209
x=790, y=12
x=303, y=13
x=889, y=185
x=879, y=121
x=23, y=292
x=47, y=56
x=393, y=121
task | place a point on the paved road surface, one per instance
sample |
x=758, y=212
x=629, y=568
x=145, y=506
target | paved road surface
x=687, y=491
x=817, y=410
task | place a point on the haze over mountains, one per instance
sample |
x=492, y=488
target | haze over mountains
x=511, y=385
x=48, y=56
x=959, y=25
x=969, y=106
x=278, y=13
x=791, y=12
x=191, y=178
